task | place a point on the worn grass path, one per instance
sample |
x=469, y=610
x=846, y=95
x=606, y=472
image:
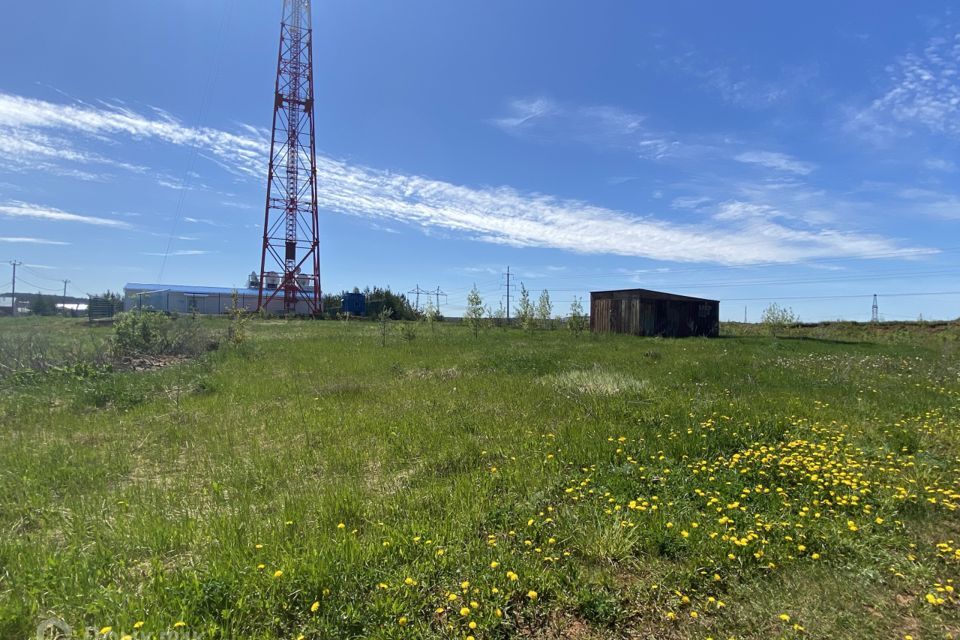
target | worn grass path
x=312, y=482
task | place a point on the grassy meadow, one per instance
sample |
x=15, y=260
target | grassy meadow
x=311, y=483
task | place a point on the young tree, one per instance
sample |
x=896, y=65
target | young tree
x=42, y=306
x=499, y=316
x=544, y=309
x=775, y=317
x=431, y=315
x=525, y=312
x=474, y=312
x=577, y=321
x=383, y=317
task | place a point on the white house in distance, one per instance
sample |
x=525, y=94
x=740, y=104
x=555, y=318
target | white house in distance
x=180, y=298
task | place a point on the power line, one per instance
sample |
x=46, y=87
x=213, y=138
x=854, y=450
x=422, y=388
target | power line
x=36, y=286
x=890, y=275
x=756, y=265
x=40, y=275
x=186, y=183
x=844, y=297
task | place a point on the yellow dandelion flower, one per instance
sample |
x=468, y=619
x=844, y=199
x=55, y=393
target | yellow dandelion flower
x=694, y=615
x=126, y=637
x=410, y=582
x=178, y=624
x=498, y=613
x=277, y=573
x=138, y=624
x=512, y=576
x=532, y=594
x=494, y=564
x=104, y=631
x=671, y=615
x=472, y=625
x=402, y=621
x=784, y=617
x=315, y=606
x=341, y=526
x=464, y=611
x=465, y=585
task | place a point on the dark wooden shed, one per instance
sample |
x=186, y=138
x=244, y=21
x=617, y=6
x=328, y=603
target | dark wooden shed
x=642, y=312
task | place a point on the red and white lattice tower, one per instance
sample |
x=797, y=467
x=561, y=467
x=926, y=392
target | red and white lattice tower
x=290, y=262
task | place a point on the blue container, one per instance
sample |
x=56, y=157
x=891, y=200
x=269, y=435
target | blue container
x=355, y=304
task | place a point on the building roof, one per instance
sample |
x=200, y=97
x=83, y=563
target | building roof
x=647, y=293
x=139, y=287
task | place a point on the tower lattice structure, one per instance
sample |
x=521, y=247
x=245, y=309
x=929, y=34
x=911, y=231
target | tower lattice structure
x=290, y=261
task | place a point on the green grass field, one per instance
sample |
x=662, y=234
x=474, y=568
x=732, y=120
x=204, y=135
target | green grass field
x=311, y=483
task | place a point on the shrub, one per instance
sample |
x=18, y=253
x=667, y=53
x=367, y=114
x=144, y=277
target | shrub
x=776, y=317
x=577, y=321
x=155, y=333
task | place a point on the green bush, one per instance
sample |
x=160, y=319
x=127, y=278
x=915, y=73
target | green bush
x=155, y=333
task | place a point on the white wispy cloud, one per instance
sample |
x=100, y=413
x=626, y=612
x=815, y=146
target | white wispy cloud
x=597, y=125
x=22, y=119
x=17, y=209
x=940, y=164
x=500, y=215
x=506, y=216
x=24, y=240
x=741, y=85
x=932, y=203
x=776, y=160
x=923, y=93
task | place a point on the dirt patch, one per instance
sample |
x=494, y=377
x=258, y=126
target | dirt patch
x=146, y=363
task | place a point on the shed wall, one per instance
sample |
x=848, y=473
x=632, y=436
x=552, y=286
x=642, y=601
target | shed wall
x=643, y=316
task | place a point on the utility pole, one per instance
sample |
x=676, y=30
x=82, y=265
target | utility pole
x=439, y=293
x=508, y=294
x=65, y=283
x=744, y=314
x=13, y=293
x=875, y=311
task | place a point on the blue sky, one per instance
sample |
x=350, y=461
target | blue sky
x=751, y=152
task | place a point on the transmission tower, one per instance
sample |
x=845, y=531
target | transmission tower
x=875, y=311
x=290, y=261
x=418, y=291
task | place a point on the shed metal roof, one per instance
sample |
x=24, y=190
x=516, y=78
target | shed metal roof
x=648, y=293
